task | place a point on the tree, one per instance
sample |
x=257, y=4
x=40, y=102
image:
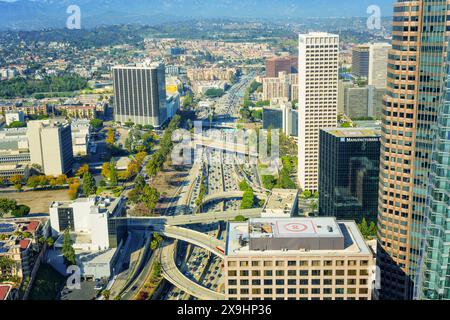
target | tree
x=306, y=194
x=89, y=186
x=153, y=245
x=132, y=169
x=20, y=211
x=150, y=197
x=73, y=190
x=82, y=170
x=243, y=186
x=17, y=181
x=106, y=294
x=113, y=177
x=372, y=231
x=364, y=228
x=248, y=200
x=106, y=170
x=96, y=123
x=240, y=218
x=50, y=242
x=110, y=136
x=7, y=205
x=140, y=157
x=268, y=181
x=67, y=250
x=17, y=124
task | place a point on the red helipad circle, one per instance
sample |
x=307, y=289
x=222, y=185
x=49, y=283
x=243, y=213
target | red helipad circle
x=296, y=227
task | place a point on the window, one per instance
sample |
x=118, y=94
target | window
x=243, y=263
x=256, y=273
x=279, y=263
x=268, y=263
x=267, y=291
x=304, y=273
x=315, y=291
x=279, y=282
x=232, y=263
x=315, y=263
x=268, y=273
x=292, y=263
x=232, y=282
x=315, y=282
x=268, y=282
x=256, y=282
x=315, y=273
x=256, y=263
x=244, y=273
x=232, y=291
x=232, y=273
x=292, y=273
x=339, y=291
x=279, y=273
x=340, y=272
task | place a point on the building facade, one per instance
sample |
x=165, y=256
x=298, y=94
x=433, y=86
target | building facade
x=360, y=61
x=415, y=83
x=281, y=64
x=140, y=95
x=50, y=144
x=283, y=259
x=318, y=100
x=433, y=280
x=349, y=173
x=378, y=54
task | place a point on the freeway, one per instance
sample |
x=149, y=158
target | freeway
x=143, y=222
x=172, y=274
x=194, y=237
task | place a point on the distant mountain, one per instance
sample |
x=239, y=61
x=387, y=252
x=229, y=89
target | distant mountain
x=37, y=14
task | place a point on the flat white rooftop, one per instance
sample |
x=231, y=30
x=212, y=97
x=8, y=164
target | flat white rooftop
x=294, y=233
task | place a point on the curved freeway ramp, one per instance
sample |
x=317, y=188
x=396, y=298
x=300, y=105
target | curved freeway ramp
x=171, y=273
x=202, y=240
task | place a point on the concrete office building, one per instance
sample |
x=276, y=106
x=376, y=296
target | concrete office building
x=297, y=259
x=360, y=61
x=50, y=144
x=378, y=56
x=362, y=102
x=318, y=100
x=96, y=233
x=349, y=172
x=281, y=64
x=416, y=83
x=140, y=94
x=81, y=134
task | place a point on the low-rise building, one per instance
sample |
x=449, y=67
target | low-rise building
x=96, y=232
x=11, y=117
x=282, y=203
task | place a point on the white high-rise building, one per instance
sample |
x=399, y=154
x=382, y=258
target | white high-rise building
x=318, y=76
x=378, y=55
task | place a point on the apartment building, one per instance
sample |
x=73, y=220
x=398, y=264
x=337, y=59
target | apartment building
x=281, y=88
x=297, y=259
x=378, y=56
x=318, y=100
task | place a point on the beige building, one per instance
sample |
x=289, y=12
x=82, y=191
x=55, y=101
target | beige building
x=297, y=259
x=209, y=74
x=280, y=89
x=378, y=56
x=281, y=203
x=50, y=144
x=318, y=77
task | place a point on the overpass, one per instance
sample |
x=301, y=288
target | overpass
x=220, y=144
x=227, y=195
x=199, y=239
x=145, y=222
x=171, y=273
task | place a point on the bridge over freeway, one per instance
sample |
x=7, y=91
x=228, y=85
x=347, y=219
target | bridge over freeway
x=145, y=222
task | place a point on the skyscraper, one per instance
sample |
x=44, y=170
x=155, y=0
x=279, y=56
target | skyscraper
x=140, y=94
x=377, y=73
x=50, y=144
x=434, y=277
x=317, y=100
x=349, y=170
x=360, y=61
x=415, y=83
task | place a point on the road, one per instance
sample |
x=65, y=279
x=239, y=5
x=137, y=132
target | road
x=172, y=274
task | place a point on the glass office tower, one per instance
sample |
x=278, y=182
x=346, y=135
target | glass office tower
x=434, y=282
x=416, y=81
